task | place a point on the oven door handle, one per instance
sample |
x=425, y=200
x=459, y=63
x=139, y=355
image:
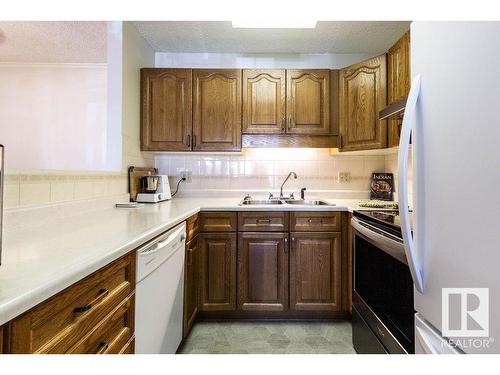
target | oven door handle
x=404, y=211
x=385, y=243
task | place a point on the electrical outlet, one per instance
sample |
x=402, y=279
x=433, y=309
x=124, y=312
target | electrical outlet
x=187, y=175
x=344, y=177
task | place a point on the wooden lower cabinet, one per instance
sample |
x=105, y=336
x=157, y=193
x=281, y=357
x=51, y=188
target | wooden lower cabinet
x=94, y=315
x=112, y=334
x=1, y=339
x=315, y=271
x=217, y=221
x=218, y=271
x=191, y=284
x=129, y=348
x=263, y=271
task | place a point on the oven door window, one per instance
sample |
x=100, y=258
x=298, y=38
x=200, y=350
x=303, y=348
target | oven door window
x=385, y=284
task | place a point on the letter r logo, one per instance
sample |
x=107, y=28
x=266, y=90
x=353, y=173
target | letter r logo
x=465, y=312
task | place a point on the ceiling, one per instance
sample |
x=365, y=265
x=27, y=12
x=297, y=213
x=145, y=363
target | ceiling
x=221, y=37
x=53, y=42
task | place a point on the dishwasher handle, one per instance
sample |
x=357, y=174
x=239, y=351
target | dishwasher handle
x=161, y=243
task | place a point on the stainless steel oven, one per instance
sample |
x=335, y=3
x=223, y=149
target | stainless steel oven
x=383, y=314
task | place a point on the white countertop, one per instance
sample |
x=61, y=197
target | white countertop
x=40, y=261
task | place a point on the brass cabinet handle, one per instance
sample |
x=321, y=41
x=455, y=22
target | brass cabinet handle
x=103, y=345
x=263, y=221
x=318, y=220
x=286, y=245
x=189, y=140
x=190, y=257
x=194, y=141
x=283, y=123
x=81, y=309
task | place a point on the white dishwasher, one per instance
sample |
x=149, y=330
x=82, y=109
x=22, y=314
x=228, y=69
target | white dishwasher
x=160, y=293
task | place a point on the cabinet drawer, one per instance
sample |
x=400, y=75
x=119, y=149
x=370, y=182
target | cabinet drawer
x=129, y=347
x=315, y=221
x=263, y=221
x=217, y=221
x=57, y=324
x=111, y=334
x=192, y=227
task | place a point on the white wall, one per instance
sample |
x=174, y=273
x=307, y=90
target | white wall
x=35, y=187
x=137, y=54
x=53, y=116
x=245, y=60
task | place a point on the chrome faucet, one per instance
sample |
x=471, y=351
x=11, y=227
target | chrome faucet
x=286, y=179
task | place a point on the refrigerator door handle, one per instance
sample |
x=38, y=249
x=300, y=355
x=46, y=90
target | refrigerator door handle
x=404, y=211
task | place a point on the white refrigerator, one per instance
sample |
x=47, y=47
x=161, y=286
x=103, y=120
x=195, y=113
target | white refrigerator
x=453, y=113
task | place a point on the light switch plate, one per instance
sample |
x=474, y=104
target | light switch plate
x=344, y=177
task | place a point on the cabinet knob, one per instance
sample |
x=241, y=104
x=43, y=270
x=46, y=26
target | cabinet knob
x=103, y=345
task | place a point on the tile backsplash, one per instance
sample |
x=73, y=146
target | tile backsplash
x=391, y=166
x=265, y=169
x=34, y=188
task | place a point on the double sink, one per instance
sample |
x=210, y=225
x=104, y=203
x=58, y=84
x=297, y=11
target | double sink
x=272, y=202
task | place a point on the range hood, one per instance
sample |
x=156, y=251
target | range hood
x=395, y=110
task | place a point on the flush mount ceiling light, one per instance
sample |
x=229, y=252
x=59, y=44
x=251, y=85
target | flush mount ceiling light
x=248, y=23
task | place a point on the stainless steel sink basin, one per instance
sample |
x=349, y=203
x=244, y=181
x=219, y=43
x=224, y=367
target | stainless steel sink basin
x=307, y=202
x=251, y=202
x=298, y=202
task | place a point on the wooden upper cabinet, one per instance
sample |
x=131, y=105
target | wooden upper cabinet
x=216, y=109
x=334, y=102
x=308, y=101
x=166, y=109
x=398, y=81
x=264, y=101
x=398, y=69
x=263, y=271
x=363, y=94
x=315, y=271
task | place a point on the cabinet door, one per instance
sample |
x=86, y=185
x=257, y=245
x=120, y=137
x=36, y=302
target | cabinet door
x=264, y=103
x=191, y=284
x=398, y=81
x=218, y=275
x=263, y=271
x=217, y=109
x=308, y=101
x=166, y=109
x=315, y=271
x=362, y=96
